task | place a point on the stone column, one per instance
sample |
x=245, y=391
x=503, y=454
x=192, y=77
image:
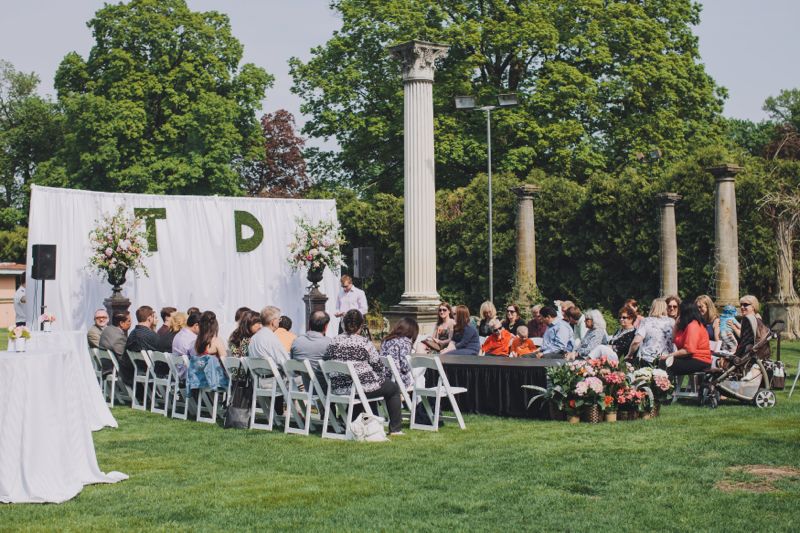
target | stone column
x=726, y=238
x=526, y=238
x=669, y=244
x=420, y=298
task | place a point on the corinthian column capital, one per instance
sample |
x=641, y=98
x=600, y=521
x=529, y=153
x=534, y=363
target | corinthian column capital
x=418, y=59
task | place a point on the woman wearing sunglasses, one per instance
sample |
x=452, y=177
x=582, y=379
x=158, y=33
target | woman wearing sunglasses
x=752, y=329
x=512, y=320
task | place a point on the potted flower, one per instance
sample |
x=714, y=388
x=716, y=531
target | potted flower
x=18, y=335
x=46, y=321
x=656, y=385
x=589, y=397
x=315, y=247
x=119, y=244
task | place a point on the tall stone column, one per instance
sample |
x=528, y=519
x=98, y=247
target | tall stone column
x=669, y=244
x=526, y=240
x=726, y=238
x=420, y=298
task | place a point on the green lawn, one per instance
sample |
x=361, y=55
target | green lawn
x=499, y=474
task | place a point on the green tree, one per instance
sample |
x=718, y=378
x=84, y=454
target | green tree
x=161, y=104
x=598, y=82
x=29, y=135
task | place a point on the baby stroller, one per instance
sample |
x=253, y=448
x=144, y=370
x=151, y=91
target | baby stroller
x=745, y=377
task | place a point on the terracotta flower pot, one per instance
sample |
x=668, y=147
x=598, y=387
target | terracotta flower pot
x=611, y=416
x=573, y=419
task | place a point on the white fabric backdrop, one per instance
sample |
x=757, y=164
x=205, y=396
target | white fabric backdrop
x=196, y=263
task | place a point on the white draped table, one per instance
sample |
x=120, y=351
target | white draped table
x=50, y=403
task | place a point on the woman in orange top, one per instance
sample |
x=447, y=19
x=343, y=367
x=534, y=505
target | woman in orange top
x=691, y=340
x=499, y=342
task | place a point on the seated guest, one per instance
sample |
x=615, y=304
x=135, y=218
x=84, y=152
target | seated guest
x=443, y=330
x=312, y=345
x=653, y=337
x=237, y=316
x=177, y=321
x=466, y=340
x=185, y=338
x=100, y=323
x=265, y=343
x=727, y=321
x=114, y=338
x=595, y=335
x=748, y=332
x=142, y=337
x=710, y=316
x=558, y=339
x=397, y=345
x=248, y=325
x=352, y=347
x=512, y=320
x=693, y=353
x=193, y=311
x=205, y=367
x=536, y=325
x=499, y=342
x=620, y=342
x=673, y=306
x=522, y=345
x=577, y=321
x=284, y=332
x=166, y=313
x=488, y=313
x=633, y=304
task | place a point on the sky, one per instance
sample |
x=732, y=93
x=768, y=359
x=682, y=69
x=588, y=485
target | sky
x=747, y=46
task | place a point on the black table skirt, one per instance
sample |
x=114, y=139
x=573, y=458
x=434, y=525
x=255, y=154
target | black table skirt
x=494, y=384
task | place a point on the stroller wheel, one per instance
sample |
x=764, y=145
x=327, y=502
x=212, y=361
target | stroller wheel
x=765, y=399
x=709, y=397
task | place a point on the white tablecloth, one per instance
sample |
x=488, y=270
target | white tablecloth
x=91, y=396
x=46, y=448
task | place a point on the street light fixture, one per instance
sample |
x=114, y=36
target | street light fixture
x=469, y=103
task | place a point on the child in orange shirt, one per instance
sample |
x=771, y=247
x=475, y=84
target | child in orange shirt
x=522, y=345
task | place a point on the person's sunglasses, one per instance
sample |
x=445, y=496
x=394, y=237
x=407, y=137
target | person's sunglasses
x=498, y=330
x=101, y=318
x=443, y=309
x=744, y=305
x=672, y=307
x=624, y=318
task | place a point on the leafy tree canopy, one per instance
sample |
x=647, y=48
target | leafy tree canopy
x=598, y=80
x=161, y=104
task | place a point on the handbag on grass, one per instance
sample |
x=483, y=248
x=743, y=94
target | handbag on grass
x=368, y=428
x=238, y=413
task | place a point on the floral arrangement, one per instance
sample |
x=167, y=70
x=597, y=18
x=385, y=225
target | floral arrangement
x=316, y=246
x=47, y=318
x=656, y=380
x=630, y=399
x=119, y=243
x=18, y=332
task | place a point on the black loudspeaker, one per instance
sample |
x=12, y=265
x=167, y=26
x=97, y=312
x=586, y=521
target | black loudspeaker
x=44, y=261
x=363, y=262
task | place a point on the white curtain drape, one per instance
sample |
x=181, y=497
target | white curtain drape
x=196, y=263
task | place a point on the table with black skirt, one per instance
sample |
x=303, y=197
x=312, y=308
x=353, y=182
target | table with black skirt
x=494, y=384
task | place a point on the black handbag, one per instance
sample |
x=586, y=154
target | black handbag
x=237, y=415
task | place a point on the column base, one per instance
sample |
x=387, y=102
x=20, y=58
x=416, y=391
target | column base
x=425, y=315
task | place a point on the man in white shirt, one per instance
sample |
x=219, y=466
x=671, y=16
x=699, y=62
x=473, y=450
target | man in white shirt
x=265, y=343
x=19, y=305
x=350, y=297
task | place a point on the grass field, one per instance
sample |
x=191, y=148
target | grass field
x=499, y=474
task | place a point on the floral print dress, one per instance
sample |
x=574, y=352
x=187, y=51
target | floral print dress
x=362, y=353
x=399, y=349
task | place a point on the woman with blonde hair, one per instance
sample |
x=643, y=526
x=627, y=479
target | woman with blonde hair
x=488, y=313
x=710, y=316
x=654, y=335
x=177, y=323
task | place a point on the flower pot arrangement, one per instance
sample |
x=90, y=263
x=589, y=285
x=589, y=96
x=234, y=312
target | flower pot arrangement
x=17, y=338
x=601, y=389
x=316, y=247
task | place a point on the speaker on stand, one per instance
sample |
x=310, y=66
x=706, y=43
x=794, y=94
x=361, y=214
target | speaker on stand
x=44, y=266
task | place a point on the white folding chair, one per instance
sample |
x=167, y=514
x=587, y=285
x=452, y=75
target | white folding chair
x=97, y=365
x=141, y=376
x=404, y=392
x=441, y=390
x=231, y=364
x=796, y=375
x=176, y=361
x=110, y=389
x=297, y=399
x=162, y=384
x=207, y=400
x=268, y=384
x=348, y=401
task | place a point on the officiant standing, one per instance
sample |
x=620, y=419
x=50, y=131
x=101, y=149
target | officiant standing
x=350, y=297
x=21, y=317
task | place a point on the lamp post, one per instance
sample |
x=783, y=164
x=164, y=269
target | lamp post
x=468, y=102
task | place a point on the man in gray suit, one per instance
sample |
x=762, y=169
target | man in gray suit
x=114, y=338
x=100, y=323
x=312, y=345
